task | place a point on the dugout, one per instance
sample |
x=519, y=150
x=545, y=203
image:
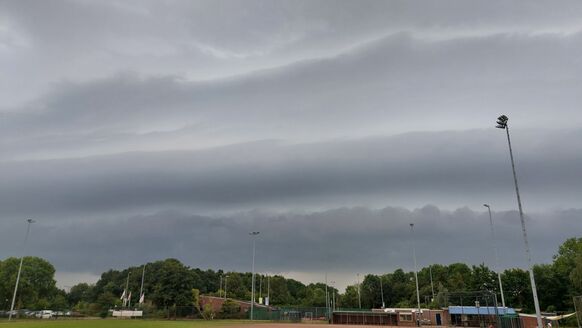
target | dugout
x=364, y=318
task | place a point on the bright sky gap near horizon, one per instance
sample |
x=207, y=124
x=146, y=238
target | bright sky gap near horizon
x=134, y=131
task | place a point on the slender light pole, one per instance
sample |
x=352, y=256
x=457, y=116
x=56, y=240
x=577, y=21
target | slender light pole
x=431, y=284
x=333, y=306
x=141, y=287
x=496, y=255
x=253, y=234
x=502, y=124
x=359, y=293
x=326, y=297
x=225, y=285
x=415, y=270
x=30, y=221
x=220, y=287
x=260, y=289
x=382, y=292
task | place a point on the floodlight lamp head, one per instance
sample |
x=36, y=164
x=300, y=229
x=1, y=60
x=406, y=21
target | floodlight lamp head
x=254, y=233
x=486, y=205
x=502, y=122
x=30, y=221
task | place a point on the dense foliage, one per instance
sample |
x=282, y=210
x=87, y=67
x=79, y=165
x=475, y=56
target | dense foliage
x=169, y=283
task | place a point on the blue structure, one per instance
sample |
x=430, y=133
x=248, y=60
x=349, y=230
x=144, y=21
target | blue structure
x=482, y=310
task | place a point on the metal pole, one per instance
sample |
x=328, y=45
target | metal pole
x=382, y=292
x=326, y=298
x=415, y=270
x=431, y=284
x=142, y=278
x=220, y=287
x=225, y=284
x=522, y=219
x=496, y=255
x=269, y=289
x=359, y=294
x=260, y=288
x=333, y=305
x=127, y=287
x=253, y=234
x=30, y=221
x=576, y=310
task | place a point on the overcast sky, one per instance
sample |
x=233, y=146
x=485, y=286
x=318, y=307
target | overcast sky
x=134, y=131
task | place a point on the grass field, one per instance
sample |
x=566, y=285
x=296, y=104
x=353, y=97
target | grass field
x=113, y=323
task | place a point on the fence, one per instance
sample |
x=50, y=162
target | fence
x=292, y=314
x=364, y=318
x=578, y=308
x=475, y=309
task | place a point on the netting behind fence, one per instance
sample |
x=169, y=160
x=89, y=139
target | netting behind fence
x=578, y=309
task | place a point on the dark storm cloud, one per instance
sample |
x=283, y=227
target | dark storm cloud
x=340, y=240
x=448, y=168
x=135, y=130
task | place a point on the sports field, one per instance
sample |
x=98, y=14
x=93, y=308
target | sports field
x=112, y=323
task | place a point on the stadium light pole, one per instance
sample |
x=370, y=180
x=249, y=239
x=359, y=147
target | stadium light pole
x=30, y=221
x=253, y=234
x=225, y=285
x=382, y=292
x=415, y=269
x=502, y=124
x=359, y=293
x=431, y=284
x=496, y=255
x=333, y=307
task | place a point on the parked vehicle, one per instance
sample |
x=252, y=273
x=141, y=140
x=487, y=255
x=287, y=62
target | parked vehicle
x=45, y=314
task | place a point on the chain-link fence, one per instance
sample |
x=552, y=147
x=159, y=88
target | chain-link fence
x=578, y=308
x=477, y=309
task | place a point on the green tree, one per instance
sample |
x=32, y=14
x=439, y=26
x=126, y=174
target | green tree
x=37, y=284
x=517, y=289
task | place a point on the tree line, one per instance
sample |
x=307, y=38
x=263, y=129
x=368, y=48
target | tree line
x=170, y=283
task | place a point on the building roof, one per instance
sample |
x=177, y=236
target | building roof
x=482, y=310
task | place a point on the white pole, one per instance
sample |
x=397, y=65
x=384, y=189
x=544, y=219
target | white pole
x=522, y=219
x=142, y=278
x=225, y=284
x=326, y=298
x=30, y=221
x=359, y=293
x=415, y=272
x=431, y=284
x=496, y=255
x=382, y=292
x=253, y=234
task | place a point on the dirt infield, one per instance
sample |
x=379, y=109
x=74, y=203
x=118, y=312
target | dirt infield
x=300, y=325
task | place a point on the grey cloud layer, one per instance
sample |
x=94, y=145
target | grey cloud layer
x=448, y=168
x=393, y=85
x=339, y=240
x=133, y=130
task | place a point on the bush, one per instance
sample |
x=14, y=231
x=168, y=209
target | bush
x=230, y=310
